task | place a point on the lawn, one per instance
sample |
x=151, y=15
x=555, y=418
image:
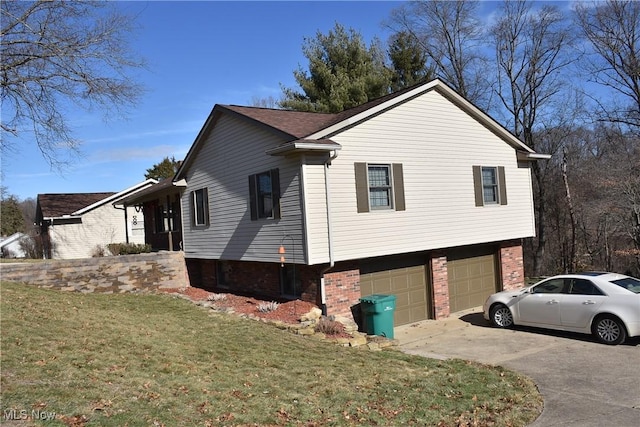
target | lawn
x=157, y=360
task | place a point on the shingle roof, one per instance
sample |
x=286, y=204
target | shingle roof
x=300, y=124
x=295, y=123
x=57, y=205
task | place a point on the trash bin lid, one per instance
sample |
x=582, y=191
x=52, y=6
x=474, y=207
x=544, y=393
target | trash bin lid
x=377, y=298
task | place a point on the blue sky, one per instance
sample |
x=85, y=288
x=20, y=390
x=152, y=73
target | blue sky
x=199, y=54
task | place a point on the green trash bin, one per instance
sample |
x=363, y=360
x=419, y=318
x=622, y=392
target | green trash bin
x=378, y=314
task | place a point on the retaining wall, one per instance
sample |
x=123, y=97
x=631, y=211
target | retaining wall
x=123, y=273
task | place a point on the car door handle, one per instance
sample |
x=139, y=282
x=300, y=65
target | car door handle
x=588, y=302
x=553, y=301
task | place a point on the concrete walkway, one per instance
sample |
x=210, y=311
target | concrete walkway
x=583, y=383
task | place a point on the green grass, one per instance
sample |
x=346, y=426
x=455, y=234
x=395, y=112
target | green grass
x=141, y=360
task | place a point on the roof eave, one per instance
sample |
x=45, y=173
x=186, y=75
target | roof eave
x=116, y=197
x=137, y=198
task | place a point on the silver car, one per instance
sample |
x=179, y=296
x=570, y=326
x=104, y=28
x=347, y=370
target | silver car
x=606, y=305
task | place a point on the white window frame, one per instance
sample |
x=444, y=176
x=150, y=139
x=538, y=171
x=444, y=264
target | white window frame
x=388, y=187
x=200, y=217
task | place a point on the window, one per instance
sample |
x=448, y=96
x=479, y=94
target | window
x=552, y=286
x=489, y=185
x=379, y=187
x=264, y=195
x=583, y=287
x=380, y=193
x=200, y=207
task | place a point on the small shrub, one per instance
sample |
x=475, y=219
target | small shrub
x=217, y=297
x=128, y=248
x=265, y=307
x=98, y=252
x=329, y=327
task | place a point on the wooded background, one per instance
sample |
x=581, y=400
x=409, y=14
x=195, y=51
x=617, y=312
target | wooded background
x=564, y=81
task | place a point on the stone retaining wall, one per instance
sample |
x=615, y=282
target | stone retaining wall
x=124, y=273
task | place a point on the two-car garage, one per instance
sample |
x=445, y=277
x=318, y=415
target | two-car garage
x=472, y=275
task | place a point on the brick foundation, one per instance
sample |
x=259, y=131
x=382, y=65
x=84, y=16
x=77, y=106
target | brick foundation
x=249, y=277
x=511, y=265
x=440, y=286
x=341, y=283
x=342, y=289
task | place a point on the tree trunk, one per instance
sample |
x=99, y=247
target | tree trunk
x=539, y=243
x=572, y=243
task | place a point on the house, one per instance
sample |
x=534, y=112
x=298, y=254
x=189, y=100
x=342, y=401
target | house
x=10, y=246
x=160, y=204
x=417, y=194
x=75, y=225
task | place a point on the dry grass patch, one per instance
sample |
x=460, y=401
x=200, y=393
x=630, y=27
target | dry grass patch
x=140, y=360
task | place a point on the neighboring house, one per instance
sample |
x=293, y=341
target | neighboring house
x=75, y=225
x=160, y=204
x=10, y=246
x=417, y=194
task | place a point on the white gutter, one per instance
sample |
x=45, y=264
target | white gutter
x=532, y=156
x=305, y=146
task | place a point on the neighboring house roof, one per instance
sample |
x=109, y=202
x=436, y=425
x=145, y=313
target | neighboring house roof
x=149, y=193
x=57, y=205
x=13, y=238
x=303, y=128
x=75, y=204
x=12, y=244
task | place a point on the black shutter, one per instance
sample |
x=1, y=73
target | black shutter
x=275, y=192
x=253, y=205
x=477, y=185
x=398, y=187
x=502, y=185
x=362, y=187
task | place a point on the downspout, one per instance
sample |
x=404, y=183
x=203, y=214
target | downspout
x=126, y=221
x=323, y=296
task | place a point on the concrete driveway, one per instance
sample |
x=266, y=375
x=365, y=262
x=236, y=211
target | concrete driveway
x=583, y=383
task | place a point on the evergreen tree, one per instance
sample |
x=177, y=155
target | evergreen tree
x=343, y=73
x=167, y=168
x=11, y=220
x=408, y=62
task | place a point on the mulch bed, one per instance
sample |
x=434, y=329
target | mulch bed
x=287, y=311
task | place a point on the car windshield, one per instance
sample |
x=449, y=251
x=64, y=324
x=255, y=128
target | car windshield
x=628, y=283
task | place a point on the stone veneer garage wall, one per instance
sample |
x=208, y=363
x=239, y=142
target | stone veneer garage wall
x=122, y=273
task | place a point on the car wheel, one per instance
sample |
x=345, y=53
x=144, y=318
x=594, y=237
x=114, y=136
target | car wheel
x=609, y=330
x=501, y=316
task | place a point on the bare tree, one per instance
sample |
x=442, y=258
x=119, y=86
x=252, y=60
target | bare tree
x=453, y=40
x=613, y=31
x=530, y=52
x=268, y=102
x=61, y=53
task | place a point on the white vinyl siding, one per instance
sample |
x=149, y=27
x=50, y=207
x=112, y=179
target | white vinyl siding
x=316, y=212
x=437, y=144
x=233, y=151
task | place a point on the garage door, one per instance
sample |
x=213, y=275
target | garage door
x=472, y=278
x=407, y=284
